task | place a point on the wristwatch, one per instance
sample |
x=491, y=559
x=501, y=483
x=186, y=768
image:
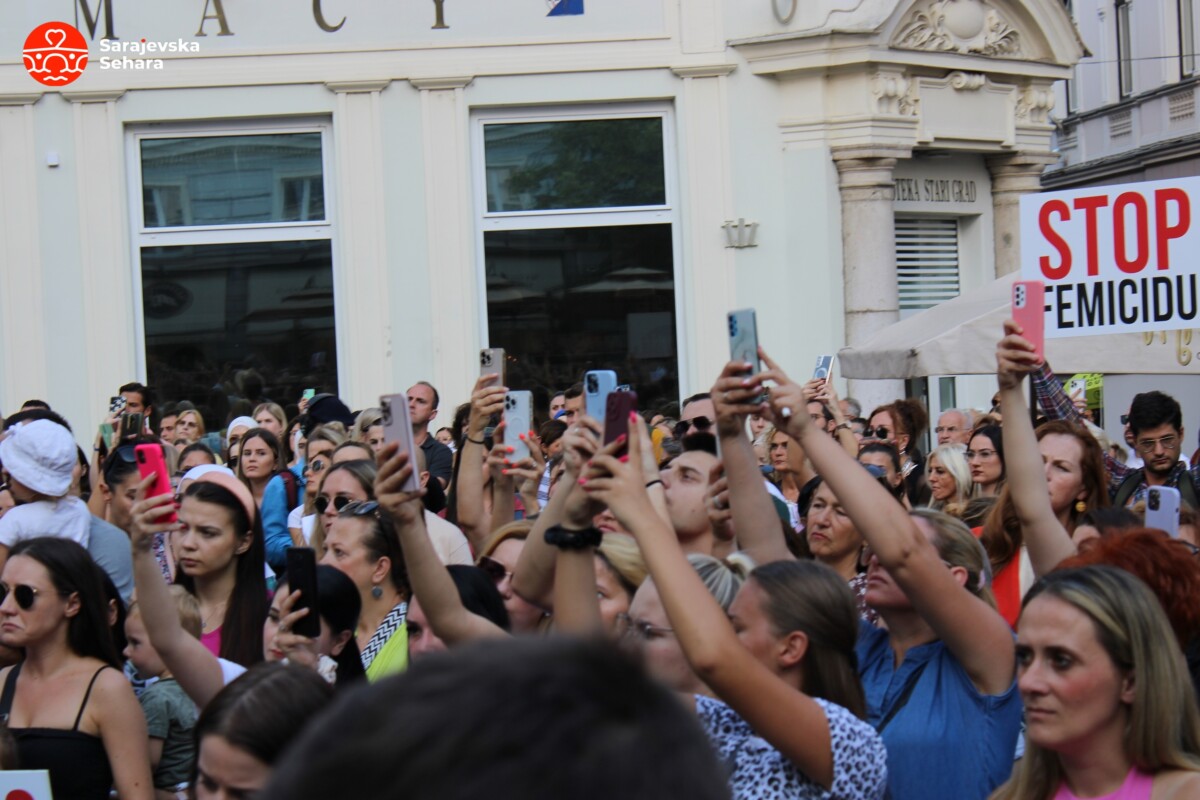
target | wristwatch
x=566, y=539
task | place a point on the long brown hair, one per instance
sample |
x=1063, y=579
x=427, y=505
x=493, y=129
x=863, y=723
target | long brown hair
x=1002, y=535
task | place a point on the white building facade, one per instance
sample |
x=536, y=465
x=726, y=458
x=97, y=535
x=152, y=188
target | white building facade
x=356, y=196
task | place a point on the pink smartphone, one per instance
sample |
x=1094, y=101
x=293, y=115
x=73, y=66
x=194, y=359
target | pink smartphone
x=150, y=461
x=1029, y=311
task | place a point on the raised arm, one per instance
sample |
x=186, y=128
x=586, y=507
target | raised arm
x=977, y=636
x=1047, y=540
x=755, y=523
x=827, y=395
x=533, y=578
x=485, y=401
x=196, y=669
x=431, y=582
x=790, y=720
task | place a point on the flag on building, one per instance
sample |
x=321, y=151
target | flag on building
x=561, y=8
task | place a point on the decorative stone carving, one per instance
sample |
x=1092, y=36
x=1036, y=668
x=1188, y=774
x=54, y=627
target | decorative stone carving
x=895, y=94
x=962, y=26
x=1034, y=104
x=967, y=81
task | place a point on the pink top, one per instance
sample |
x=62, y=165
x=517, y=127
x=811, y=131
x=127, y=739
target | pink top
x=212, y=640
x=1137, y=786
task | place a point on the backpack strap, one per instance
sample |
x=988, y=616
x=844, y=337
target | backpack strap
x=289, y=486
x=1187, y=490
x=1130, y=485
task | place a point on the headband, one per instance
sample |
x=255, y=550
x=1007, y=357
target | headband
x=226, y=481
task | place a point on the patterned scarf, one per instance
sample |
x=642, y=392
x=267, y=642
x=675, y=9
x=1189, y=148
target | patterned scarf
x=391, y=622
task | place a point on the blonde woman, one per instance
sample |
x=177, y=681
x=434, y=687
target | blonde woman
x=949, y=477
x=1109, y=709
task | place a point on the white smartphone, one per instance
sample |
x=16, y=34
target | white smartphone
x=518, y=420
x=1162, y=509
x=397, y=427
x=598, y=384
x=1078, y=385
x=491, y=361
x=824, y=367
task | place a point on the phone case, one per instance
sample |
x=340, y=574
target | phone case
x=492, y=361
x=1078, y=386
x=518, y=420
x=1029, y=311
x=824, y=367
x=397, y=427
x=302, y=577
x=1162, y=509
x=743, y=337
x=150, y=460
x=616, y=415
x=132, y=426
x=116, y=405
x=598, y=384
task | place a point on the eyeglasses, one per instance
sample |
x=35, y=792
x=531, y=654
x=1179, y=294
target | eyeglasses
x=322, y=503
x=25, y=595
x=231, y=462
x=1150, y=445
x=493, y=569
x=980, y=453
x=699, y=423
x=1124, y=419
x=639, y=628
x=877, y=433
x=947, y=429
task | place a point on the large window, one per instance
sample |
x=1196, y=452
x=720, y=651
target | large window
x=235, y=254
x=1124, y=54
x=577, y=234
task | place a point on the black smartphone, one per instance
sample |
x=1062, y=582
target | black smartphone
x=302, y=577
x=616, y=416
x=132, y=425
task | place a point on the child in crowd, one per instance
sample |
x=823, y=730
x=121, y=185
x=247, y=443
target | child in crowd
x=39, y=458
x=170, y=713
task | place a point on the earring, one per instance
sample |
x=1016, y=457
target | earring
x=376, y=591
x=1080, y=506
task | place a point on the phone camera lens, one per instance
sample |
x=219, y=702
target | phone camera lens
x=1154, y=501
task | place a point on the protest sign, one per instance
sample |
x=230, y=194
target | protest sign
x=1115, y=259
x=31, y=784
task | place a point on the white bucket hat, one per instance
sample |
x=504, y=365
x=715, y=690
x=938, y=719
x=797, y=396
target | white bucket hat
x=40, y=455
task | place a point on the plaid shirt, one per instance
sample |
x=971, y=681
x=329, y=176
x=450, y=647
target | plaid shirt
x=1058, y=405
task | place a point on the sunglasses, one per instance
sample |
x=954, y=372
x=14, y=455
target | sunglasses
x=357, y=508
x=26, y=595
x=1124, y=419
x=699, y=423
x=231, y=462
x=126, y=453
x=322, y=503
x=493, y=569
x=876, y=433
x=316, y=466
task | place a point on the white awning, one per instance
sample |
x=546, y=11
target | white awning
x=959, y=337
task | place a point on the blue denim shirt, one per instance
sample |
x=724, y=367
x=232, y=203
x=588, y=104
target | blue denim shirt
x=949, y=741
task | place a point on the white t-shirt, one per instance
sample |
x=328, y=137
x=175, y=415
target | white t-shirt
x=451, y=545
x=66, y=518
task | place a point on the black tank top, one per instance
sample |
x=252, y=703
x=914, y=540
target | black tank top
x=77, y=762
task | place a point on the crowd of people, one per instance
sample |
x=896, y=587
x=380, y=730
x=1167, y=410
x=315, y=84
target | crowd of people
x=760, y=593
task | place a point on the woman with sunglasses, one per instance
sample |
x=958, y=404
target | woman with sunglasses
x=363, y=544
x=339, y=485
x=900, y=424
x=939, y=679
x=67, y=704
x=315, y=458
x=498, y=559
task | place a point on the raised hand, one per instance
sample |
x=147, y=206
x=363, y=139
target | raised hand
x=1016, y=356
x=147, y=516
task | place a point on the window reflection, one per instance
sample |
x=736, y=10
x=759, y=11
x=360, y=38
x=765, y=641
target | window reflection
x=563, y=301
x=603, y=163
x=222, y=180
x=229, y=325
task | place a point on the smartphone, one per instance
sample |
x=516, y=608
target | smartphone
x=598, y=384
x=743, y=341
x=132, y=425
x=616, y=415
x=106, y=435
x=1029, y=311
x=308, y=394
x=116, y=405
x=1162, y=509
x=518, y=420
x=150, y=461
x=823, y=368
x=1078, y=385
x=302, y=577
x=397, y=427
x=491, y=361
